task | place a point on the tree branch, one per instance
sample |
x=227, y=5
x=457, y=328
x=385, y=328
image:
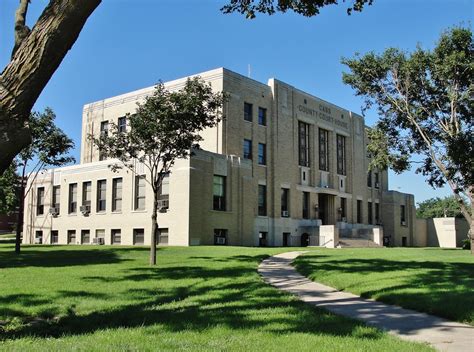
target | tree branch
x=21, y=30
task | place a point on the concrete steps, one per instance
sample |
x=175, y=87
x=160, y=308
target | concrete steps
x=345, y=242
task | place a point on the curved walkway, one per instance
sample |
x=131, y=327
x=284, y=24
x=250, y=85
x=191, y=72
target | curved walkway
x=407, y=324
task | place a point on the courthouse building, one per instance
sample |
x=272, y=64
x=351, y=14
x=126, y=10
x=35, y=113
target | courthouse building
x=282, y=168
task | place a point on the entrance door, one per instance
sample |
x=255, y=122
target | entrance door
x=286, y=239
x=323, y=208
x=262, y=239
x=304, y=240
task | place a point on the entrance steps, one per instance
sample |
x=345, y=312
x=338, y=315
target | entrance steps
x=346, y=242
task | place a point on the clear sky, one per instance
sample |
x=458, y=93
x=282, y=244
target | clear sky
x=131, y=44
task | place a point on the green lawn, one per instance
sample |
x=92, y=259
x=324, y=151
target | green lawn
x=435, y=281
x=199, y=299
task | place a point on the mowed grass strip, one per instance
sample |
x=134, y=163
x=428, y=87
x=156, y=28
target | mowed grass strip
x=432, y=280
x=197, y=299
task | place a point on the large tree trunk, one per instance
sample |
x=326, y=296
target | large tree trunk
x=21, y=211
x=34, y=62
x=154, y=229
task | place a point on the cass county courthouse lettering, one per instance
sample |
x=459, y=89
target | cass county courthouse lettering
x=283, y=168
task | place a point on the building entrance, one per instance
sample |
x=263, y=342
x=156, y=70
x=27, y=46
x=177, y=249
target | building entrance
x=326, y=209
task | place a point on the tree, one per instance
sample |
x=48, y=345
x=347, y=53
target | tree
x=164, y=128
x=36, y=55
x=307, y=8
x=438, y=208
x=49, y=147
x=38, y=52
x=425, y=102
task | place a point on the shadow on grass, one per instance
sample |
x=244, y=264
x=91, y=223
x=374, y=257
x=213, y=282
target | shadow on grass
x=54, y=256
x=233, y=297
x=440, y=288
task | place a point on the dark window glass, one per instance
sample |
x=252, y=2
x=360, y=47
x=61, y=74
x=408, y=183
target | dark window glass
x=359, y=211
x=40, y=201
x=117, y=194
x=86, y=193
x=218, y=190
x=101, y=195
x=85, y=237
x=116, y=236
x=369, y=212
x=248, y=112
x=56, y=198
x=377, y=184
x=72, y=198
x=369, y=179
x=54, y=237
x=323, y=150
x=162, y=238
x=71, y=237
x=220, y=237
x=262, y=200
x=262, y=239
x=262, y=116
x=343, y=209
x=341, y=154
x=262, y=154
x=140, y=192
x=104, y=131
x=303, y=143
x=122, y=124
x=285, y=198
x=305, y=205
x=377, y=214
x=139, y=236
x=402, y=215
x=247, y=149
x=39, y=237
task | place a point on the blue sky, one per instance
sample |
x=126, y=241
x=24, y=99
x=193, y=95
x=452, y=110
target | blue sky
x=131, y=44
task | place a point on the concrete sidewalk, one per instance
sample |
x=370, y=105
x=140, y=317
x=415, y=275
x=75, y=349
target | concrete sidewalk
x=407, y=324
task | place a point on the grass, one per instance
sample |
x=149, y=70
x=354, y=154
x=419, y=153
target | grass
x=435, y=281
x=198, y=299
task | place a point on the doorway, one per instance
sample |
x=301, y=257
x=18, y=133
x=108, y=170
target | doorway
x=305, y=240
x=286, y=239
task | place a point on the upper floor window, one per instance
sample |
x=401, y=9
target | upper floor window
x=56, y=198
x=377, y=214
x=376, y=176
x=104, y=127
x=117, y=194
x=369, y=212
x=262, y=116
x=262, y=154
x=248, y=112
x=165, y=186
x=40, y=201
x=305, y=205
x=403, y=215
x=341, y=154
x=369, y=179
x=140, y=192
x=218, y=191
x=86, y=193
x=247, y=149
x=285, y=199
x=323, y=150
x=359, y=211
x=101, y=195
x=262, y=200
x=343, y=209
x=303, y=143
x=72, y=198
x=122, y=124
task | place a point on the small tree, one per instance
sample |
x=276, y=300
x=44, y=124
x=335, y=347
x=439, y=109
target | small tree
x=49, y=147
x=164, y=128
x=438, y=208
x=426, y=108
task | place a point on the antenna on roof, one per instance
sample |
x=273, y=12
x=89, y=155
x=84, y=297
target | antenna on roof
x=248, y=71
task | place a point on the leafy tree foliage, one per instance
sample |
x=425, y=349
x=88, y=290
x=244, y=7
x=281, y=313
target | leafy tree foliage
x=425, y=104
x=8, y=190
x=49, y=147
x=438, y=208
x=163, y=129
x=307, y=8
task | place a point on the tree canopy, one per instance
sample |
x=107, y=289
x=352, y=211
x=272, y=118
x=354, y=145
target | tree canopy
x=425, y=106
x=163, y=129
x=438, y=208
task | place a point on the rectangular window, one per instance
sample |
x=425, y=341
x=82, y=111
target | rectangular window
x=165, y=187
x=220, y=237
x=39, y=237
x=162, y=239
x=218, y=191
x=377, y=214
x=377, y=184
x=116, y=237
x=40, y=201
x=54, y=237
x=140, y=192
x=285, y=199
x=359, y=211
x=262, y=154
x=122, y=124
x=247, y=149
x=305, y=205
x=262, y=239
x=117, y=194
x=402, y=215
x=343, y=209
x=369, y=179
x=71, y=237
x=323, y=150
x=86, y=193
x=303, y=143
x=85, y=237
x=139, y=237
x=262, y=200
x=262, y=116
x=248, y=112
x=100, y=236
x=101, y=195
x=72, y=198
x=341, y=154
x=56, y=198
x=369, y=212
x=104, y=131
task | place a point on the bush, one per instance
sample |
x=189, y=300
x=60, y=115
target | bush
x=466, y=243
